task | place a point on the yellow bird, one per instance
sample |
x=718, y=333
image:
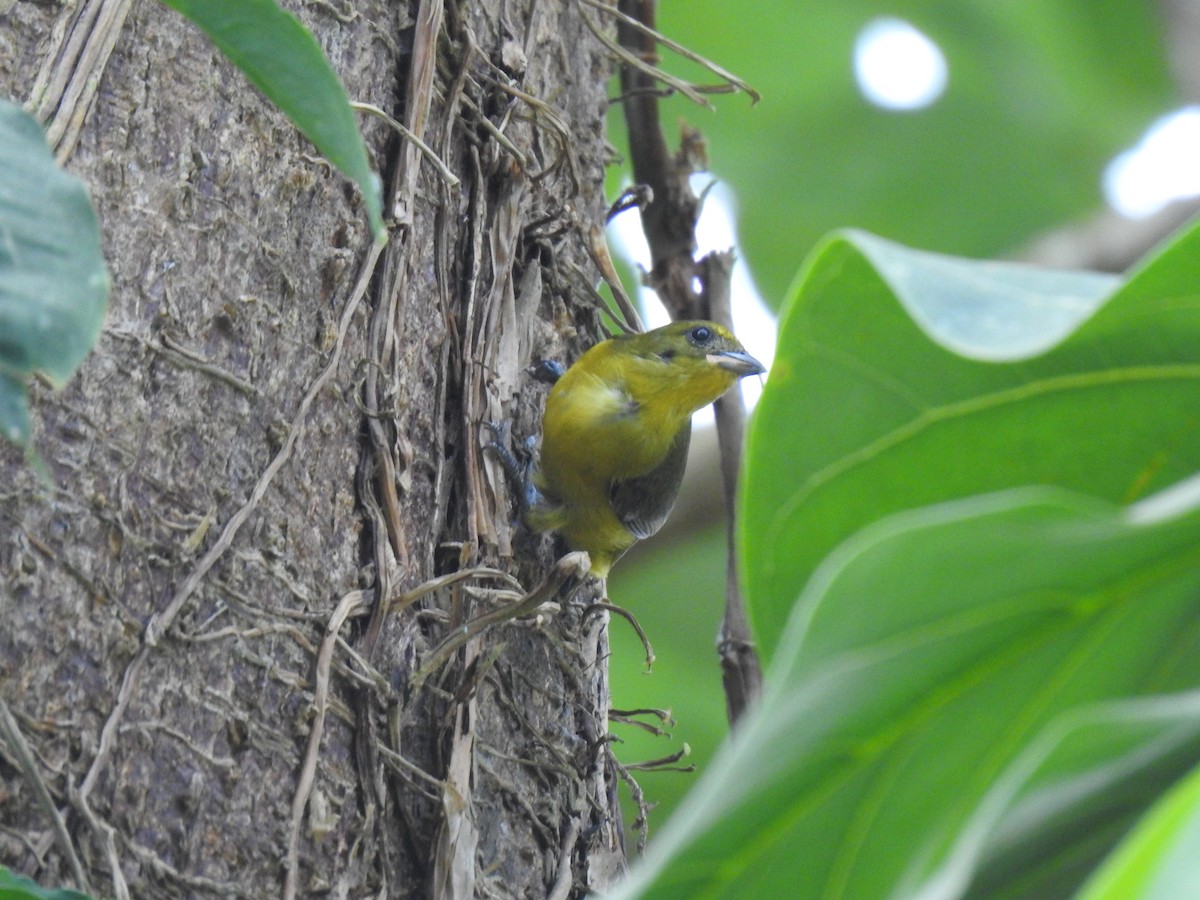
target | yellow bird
x=615, y=435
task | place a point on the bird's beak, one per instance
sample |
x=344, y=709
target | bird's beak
x=738, y=362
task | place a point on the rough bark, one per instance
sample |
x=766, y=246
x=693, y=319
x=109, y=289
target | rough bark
x=254, y=456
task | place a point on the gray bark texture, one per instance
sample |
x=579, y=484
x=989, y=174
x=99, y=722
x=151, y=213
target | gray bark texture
x=240, y=630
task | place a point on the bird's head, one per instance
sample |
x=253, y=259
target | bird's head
x=691, y=362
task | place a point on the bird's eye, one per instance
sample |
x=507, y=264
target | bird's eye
x=701, y=334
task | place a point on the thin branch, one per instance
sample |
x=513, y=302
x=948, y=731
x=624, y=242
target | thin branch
x=634, y=623
x=448, y=177
x=733, y=83
x=633, y=60
x=641, y=824
x=598, y=249
x=1107, y=241
x=669, y=220
x=741, y=671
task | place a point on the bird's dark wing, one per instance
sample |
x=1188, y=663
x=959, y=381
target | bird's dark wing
x=643, y=503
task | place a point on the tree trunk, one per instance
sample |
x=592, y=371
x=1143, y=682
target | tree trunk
x=219, y=621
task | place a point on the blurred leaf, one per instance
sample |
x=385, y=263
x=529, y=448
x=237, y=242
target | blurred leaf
x=284, y=61
x=16, y=887
x=1160, y=860
x=1041, y=94
x=866, y=413
x=981, y=689
x=14, y=410
x=53, y=284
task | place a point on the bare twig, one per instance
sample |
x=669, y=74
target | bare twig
x=741, y=671
x=664, y=763
x=633, y=60
x=443, y=170
x=636, y=197
x=628, y=326
x=547, y=114
x=180, y=354
x=107, y=836
x=632, y=620
x=733, y=83
x=669, y=219
x=444, y=581
x=573, y=564
x=642, y=822
x=497, y=135
x=598, y=250
x=630, y=717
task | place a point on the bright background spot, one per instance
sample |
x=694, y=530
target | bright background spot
x=1164, y=166
x=753, y=324
x=898, y=67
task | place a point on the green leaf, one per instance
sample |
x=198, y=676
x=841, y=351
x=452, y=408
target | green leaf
x=1160, y=860
x=53, y=283
x=1041, y=94
x=284, y=61
x=869, y=411
x=979, y=693
x=15, y=887
x=14, y=410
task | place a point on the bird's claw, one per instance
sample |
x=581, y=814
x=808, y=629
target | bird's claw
x=547, y=371
x=501, y=447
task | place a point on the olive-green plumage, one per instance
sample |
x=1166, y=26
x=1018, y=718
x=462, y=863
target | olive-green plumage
x=616, y=430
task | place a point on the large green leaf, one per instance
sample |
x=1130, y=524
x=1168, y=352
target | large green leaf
x=1160, y=860
x=867, y=411
x=53, y=283
x=1041, y=94
x=284, y=61
x=984, y=692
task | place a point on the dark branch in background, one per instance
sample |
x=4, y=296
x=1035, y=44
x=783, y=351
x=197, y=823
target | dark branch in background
x=669, y=219
x=1181, y=32
x=1107, y=242
x=689, y=290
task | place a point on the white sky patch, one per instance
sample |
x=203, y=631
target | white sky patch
x=1163, y=167
x=753, y=323
x=897, y=67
